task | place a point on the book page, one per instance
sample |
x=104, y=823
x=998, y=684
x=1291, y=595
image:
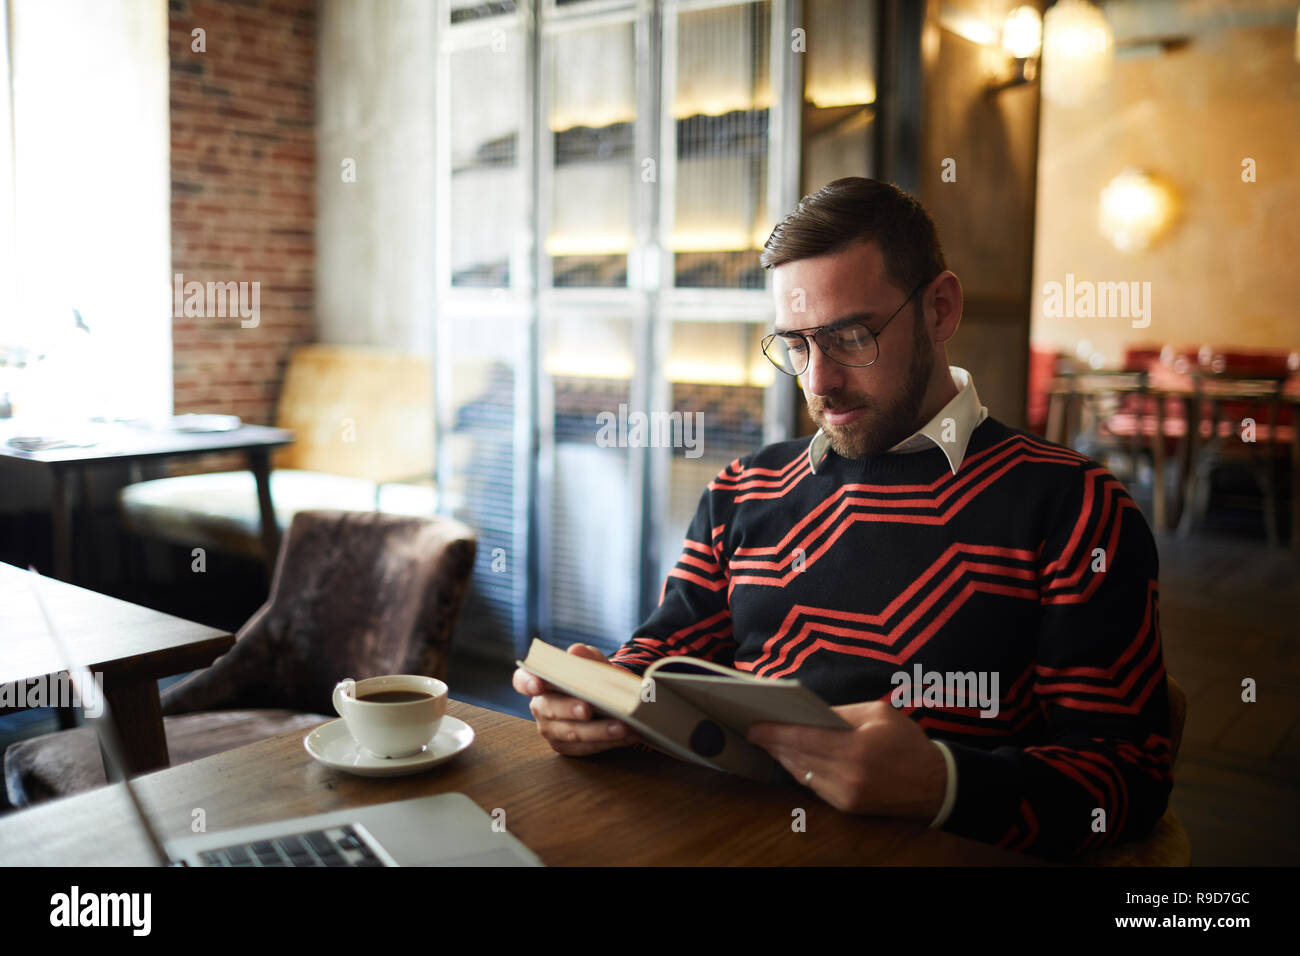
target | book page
x=740, y=704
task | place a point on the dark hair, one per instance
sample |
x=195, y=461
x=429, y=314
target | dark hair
x=852, y=210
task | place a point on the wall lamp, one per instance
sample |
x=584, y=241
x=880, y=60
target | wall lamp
x=1022, y=40
x=1018, y=38
x=1136, y=209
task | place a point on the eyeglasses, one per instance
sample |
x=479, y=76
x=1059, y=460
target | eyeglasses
x=849, y=343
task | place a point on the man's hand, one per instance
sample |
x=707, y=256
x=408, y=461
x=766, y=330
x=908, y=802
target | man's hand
x=567, y=723
x=885, y=766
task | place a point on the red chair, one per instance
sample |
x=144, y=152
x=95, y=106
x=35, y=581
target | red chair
x=1128, y=419
x=1043, y=361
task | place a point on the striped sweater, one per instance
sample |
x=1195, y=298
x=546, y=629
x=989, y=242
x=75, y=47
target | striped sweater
x=1030, y=567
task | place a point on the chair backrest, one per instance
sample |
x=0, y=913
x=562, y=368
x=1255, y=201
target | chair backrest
x=1270, y=364
x=1167, y=844
x=1042, y=371
x=1177, y=716
x=1141, y=358
x=355, y=594
x=359, y=412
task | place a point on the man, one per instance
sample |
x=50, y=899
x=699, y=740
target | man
x=981, y=605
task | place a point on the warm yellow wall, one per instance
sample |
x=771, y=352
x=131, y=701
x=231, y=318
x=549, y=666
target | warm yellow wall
x=1227, y=272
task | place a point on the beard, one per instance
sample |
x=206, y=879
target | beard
x=879, y=427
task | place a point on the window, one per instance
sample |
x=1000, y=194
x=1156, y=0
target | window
x=611, y=173
x=84, y=209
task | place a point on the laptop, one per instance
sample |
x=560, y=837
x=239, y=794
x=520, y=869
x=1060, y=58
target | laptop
x=446, y=829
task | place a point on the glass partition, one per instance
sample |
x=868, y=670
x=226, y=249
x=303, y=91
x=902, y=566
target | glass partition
x=719, y=92
x=482, y=386
x=591, y=121
x=591, y=533
x=839, y=90
x=487, y=235
x=717, y=382
x=609, y=183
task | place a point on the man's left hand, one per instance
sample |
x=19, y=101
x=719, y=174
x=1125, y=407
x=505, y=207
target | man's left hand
x=885, y=765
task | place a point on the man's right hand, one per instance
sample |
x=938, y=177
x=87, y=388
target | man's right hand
x=567, y=723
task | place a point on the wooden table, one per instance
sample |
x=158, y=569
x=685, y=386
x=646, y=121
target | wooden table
x=131, y=646
x=622, y=807
x=121, y=443
x=1065, y=393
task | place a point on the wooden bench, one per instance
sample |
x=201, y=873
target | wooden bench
x=363, y=422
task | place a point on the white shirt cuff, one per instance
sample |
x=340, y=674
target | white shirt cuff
x=950, y=789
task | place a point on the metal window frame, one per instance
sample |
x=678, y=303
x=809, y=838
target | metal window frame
x=516, y=304
x=561, y=304
x=650, y=302
x=728, y=306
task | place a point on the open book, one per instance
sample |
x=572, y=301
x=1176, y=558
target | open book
x=698, y=717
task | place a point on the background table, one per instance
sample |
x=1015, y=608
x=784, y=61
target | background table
x=120, y=443
x=625, y=806
x=1067, y=393
x=131, y=646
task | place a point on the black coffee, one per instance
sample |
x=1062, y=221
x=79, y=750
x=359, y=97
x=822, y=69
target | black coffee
x=393, y=696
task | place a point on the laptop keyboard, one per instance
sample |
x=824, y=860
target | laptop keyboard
x=333, y=846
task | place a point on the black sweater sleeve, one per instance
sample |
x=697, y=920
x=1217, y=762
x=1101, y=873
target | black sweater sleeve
x=1105, y=773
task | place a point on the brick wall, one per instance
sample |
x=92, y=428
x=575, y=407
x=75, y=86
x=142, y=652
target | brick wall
x=243, y=196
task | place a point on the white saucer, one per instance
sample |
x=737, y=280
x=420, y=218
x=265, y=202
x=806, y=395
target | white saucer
x=333, y=746
x=205, y=423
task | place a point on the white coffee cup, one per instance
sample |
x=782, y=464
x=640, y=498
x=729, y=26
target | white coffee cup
x=386, y=728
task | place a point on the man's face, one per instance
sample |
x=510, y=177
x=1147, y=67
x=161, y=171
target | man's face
x=863, y=411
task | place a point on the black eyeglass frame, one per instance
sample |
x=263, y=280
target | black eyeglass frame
x=816, y=337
